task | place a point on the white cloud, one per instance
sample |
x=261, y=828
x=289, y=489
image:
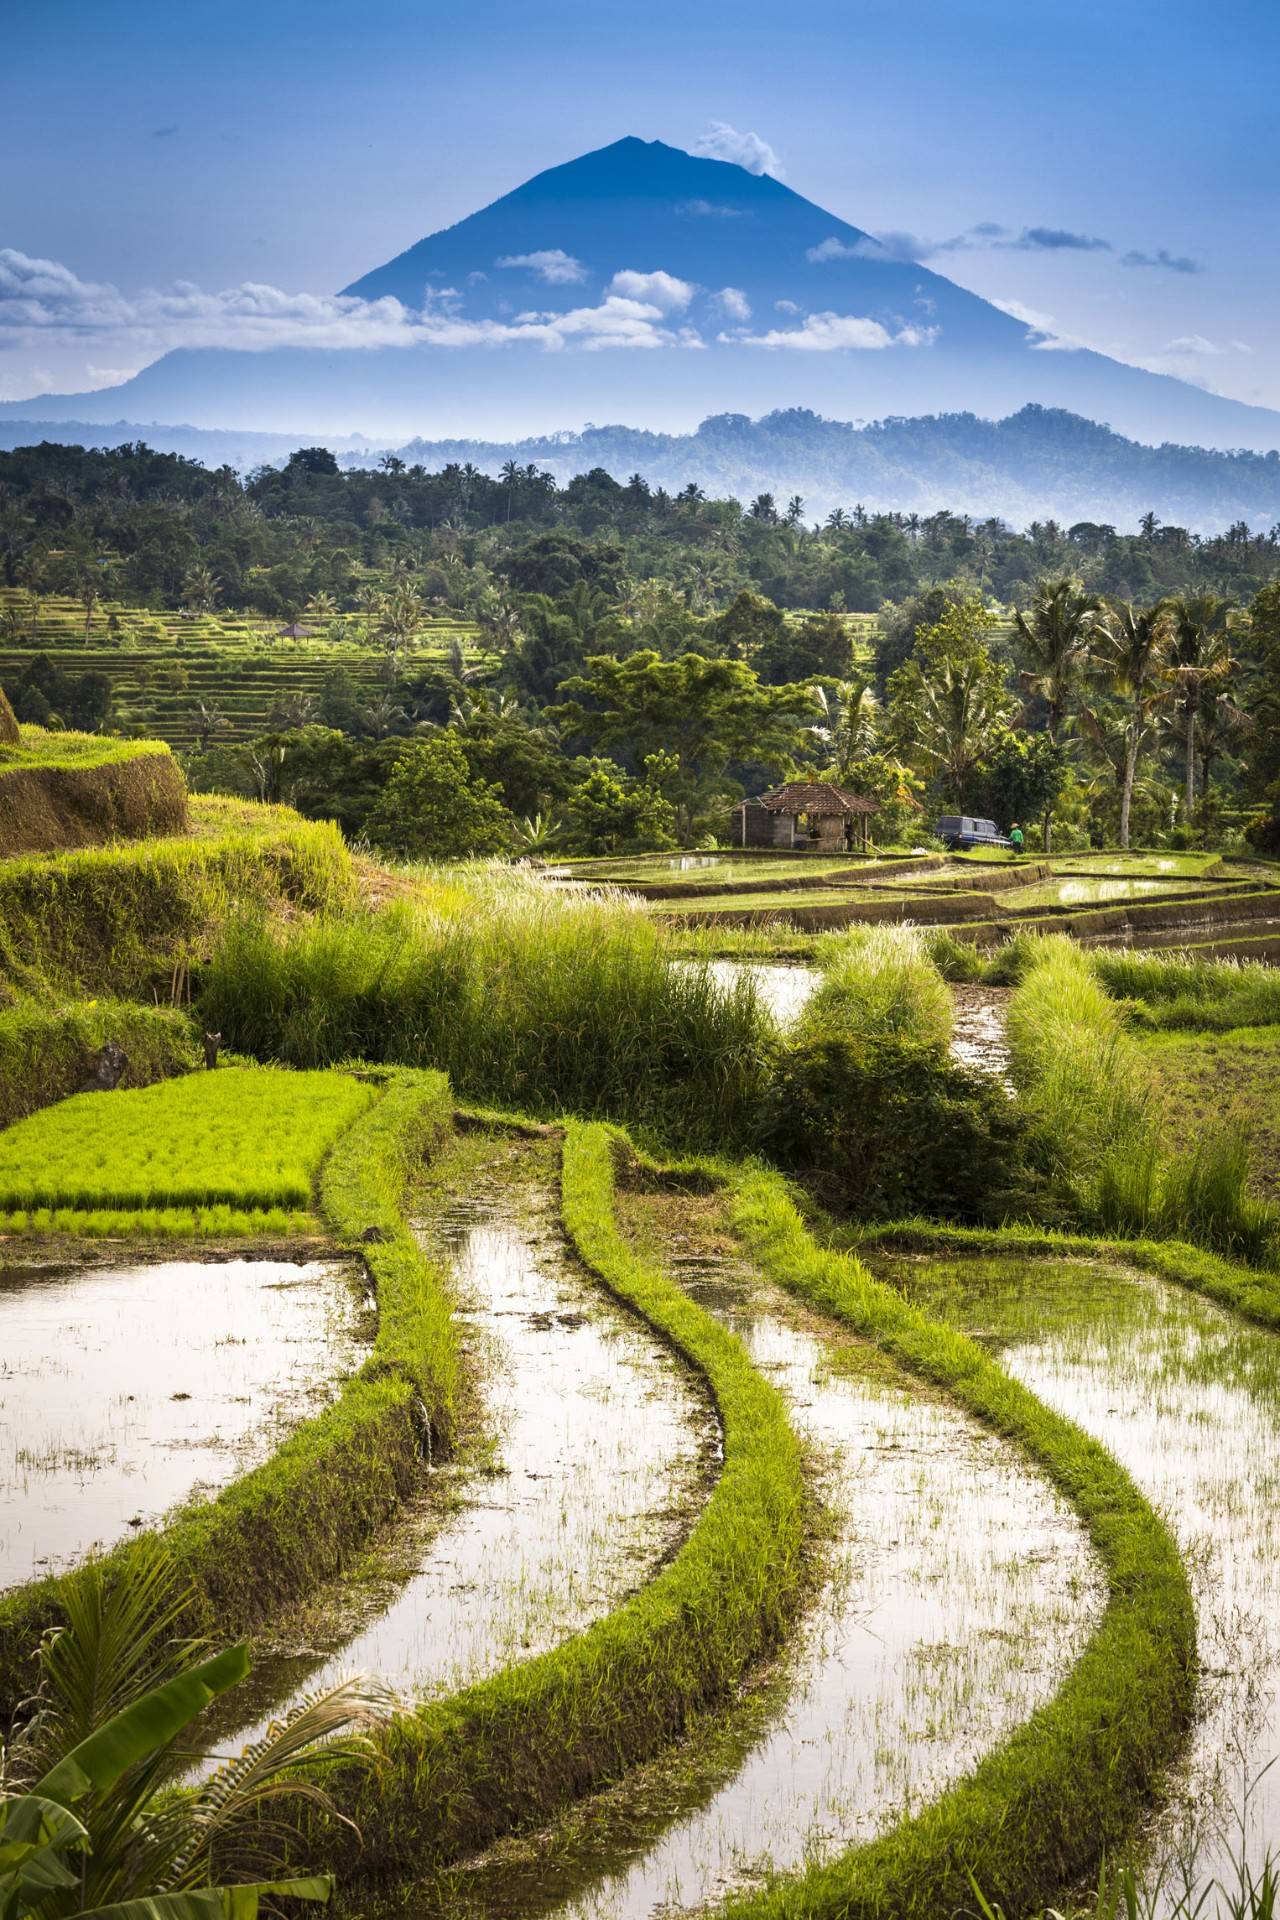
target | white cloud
x=733, y=303
x=833, y=332
x=748, y=150
x=42, y=301
x=661, y=290
x=552, y=264
x=1029, y=316
x=1196, y=344
x=786, y=306
x=835, y=249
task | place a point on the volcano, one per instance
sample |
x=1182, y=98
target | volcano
x=650, y=286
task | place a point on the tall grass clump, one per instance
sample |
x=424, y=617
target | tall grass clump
x=527, y=998
x=964, y=962
x=1174, y=991
x=878, y=983
x=1091, y=1099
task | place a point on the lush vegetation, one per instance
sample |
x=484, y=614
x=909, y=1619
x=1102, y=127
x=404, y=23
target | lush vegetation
x=1092, y=1106
x=616, y=666
x=526, y=998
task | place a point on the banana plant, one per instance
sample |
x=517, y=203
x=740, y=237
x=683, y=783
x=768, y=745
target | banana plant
x=100, y=1826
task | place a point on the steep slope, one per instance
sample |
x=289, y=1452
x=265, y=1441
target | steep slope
x=645, y=284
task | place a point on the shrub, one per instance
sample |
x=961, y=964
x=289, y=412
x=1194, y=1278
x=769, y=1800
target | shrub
x=883, y=1128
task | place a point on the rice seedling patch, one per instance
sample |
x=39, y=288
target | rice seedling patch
x=247, y=1138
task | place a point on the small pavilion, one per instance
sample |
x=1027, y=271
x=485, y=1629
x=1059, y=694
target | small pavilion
x=810, y=814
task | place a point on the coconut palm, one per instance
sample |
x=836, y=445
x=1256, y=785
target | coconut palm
x=1130, y=646
x=1056, y=633
x=848, y=723
x=92, y=1814
x=948, y=717
x=1199, y=666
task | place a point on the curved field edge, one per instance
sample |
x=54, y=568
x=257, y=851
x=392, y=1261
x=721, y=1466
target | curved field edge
x=295, y=1520
x=1038, y=1812
x=518, y=1747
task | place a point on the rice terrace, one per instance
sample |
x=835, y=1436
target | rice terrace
x=639, y=1062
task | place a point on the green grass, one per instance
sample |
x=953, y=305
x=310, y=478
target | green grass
x=49, y=1049
x=248, y=1138
x=1239, y=1072
x=878, y=983
x=510, y=1751
x=299, y=1518
x=132, y=918
x=1038, y=1812
x=40, y=748
x=527, y=997
x=1086, y=1083
x=1176, y=991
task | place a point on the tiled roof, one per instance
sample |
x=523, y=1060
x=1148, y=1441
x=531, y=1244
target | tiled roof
x=816, y=796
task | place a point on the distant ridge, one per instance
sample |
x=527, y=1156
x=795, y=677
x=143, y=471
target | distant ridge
x=646, y=284
x=1038, y=464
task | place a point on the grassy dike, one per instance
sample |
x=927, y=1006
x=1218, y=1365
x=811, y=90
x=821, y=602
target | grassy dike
x=514, y=1749
x=49, y=1049
x=296, y=1519
x=1037, y=1813
x=131, y=918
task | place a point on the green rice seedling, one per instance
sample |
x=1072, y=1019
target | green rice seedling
x=245, y=1137
x=878, y=983
x=526, y=997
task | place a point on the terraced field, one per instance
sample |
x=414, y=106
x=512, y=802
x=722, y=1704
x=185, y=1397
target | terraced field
x=712, y=1553
x=164, y=666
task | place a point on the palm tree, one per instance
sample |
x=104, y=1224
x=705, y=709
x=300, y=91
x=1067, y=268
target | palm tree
x=951, y=716
x=1130, y=646
x=98, y=1818
x=1055, y=635
x=1200, y=663
x=848, y=724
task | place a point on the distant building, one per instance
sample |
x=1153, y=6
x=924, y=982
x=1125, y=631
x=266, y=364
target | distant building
x=806, y=813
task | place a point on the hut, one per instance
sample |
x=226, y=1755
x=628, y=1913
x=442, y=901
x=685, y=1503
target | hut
x=807, y=814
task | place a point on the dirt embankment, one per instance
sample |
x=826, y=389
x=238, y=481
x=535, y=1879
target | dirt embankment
x=49, y=809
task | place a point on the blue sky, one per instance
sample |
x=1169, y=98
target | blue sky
x=300, y=145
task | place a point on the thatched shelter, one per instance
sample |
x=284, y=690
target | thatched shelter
x=808, y=814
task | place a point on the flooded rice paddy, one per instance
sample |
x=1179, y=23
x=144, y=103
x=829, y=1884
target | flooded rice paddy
x=1086, y=890
x=955, y=1592
x=598, y=1445
x=1188, y=1399
x=125, y=1390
